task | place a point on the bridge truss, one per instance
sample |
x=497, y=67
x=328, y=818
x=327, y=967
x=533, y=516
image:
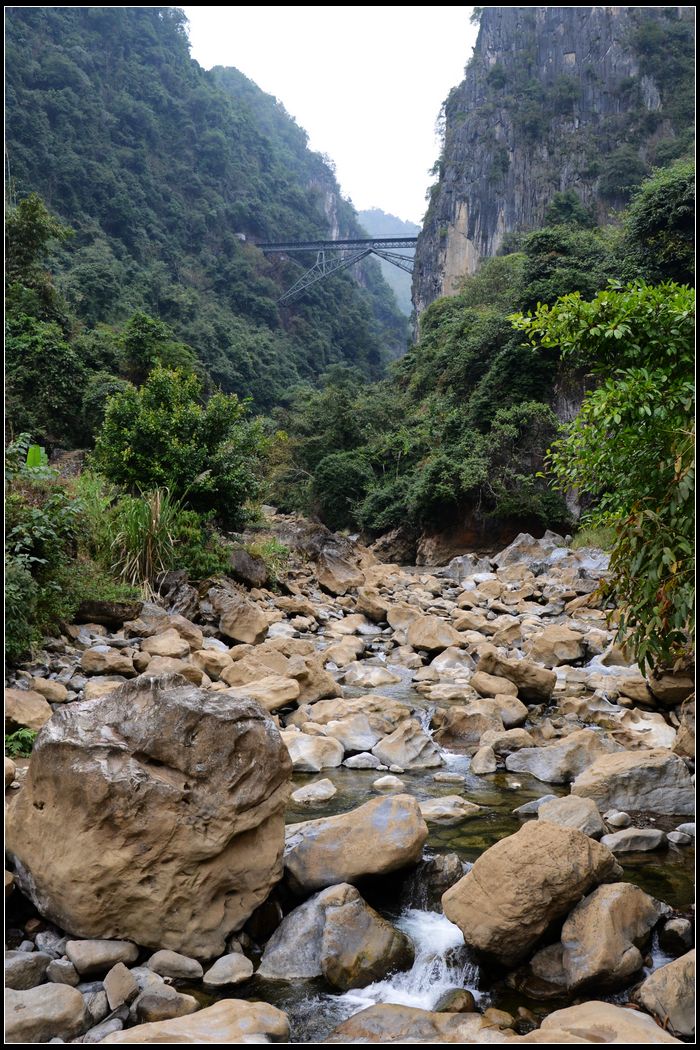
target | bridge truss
x=332, y=256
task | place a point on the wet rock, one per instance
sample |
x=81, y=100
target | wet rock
x=448, y=810
x=574, y=812
x=389, y=1023
x=369, y=676
x=505, y=741
x=457, y=1001
x=173, y=964
x=676, y=936
x=228, y=970
x=522, y=884
x=601, y=938
x=408, y=746
x=464, y=727
x=389, y=783
x=25, y=709
x=432, y=634
x=529, y=809
x=228, y=1021
x=314, y=794
x=311, y=754
x=363, y=761
x=562, y=760
x=677, y=838
x=383, y=835
x=120, y=987
x=484, y=762
x=598, y=1022
x=656, y=781
x=634, y=840
x=179, y=756
x=25, y=969
x=44, y=1013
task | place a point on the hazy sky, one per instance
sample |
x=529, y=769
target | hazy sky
x=366, y=83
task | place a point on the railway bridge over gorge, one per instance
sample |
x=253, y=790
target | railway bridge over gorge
x=332, y=256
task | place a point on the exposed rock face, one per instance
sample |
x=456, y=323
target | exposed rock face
x=522, y=884
x=155, y=815
x=337, y=935
x=383, y=835
x=548, y=91
x=228, y=1021
x=655, y=780
x=597, y=1022
x=669, y=994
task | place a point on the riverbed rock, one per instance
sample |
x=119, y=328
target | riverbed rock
x=574, y=812
x=448, y=810
x=409, y=746
x=10, y=770
x=336, y=574
x=95, y=956
x=46, y=1012
x=25, y=709
x=25, y=969
x=167, y=643
x=228, y=970
x=311, y=754
x=562, y=760
x=271, y=692
x=117, y=848
x=383, y=835
x=161, y=1003
x=522, y=884
x=173, y=964
x=369, y=676
x=463, y=727
x=228, y=1021
x=676, y=936
x=391, y=1023
x=314, y=794
x=670, y=689
x=120, y=987
x=685, y=737
x=240, y=619
x=103, y=659
x=315, y=683
x=491, y=685
x=355, y=732
x=598, y=1022
x=53, y=691
x=669, y=994
x=432, y=634
x=634, y=840
x=484, y=762
x=654, y=780
x=554, y=645
x=601, y=938
x=534, y=683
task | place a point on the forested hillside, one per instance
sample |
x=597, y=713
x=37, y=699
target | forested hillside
x=158, y=166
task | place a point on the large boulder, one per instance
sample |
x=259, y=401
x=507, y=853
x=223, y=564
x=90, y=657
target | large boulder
x=392, y=1023
x=598, y=1022
x=409, y=746
x=336, y=935
x=311, y=754
x=562, y=760
x=155, y=815
x=432, y=634
x=239, y=619
x=336, y=574
x=228, y=1021
x=463, y=727
x=49, y=1011
x=654, y=780
x=685, y=738
x=555, y=645
x=383, y=835
x=25, y=709
x=534, y=683
x=669, y=994
x=572, y=811
x=271, y=692
x=601, y=938
x=522, y=884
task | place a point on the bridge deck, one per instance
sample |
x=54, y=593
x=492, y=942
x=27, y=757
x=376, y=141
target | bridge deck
x=318, y=246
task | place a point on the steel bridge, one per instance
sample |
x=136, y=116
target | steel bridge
x=332, y=256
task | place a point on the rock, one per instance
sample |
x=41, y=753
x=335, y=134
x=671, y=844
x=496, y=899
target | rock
x=492, y=685
x=314, y=682
x=388, y=783
x=100, y=686
x=562, y=760
x=534, y=683
x=676, y=937
x=601, y=938
x=453, y=659
x=173, y=964
x=363, y=761
x=96, y=1004
x=180, y=759
x=344, y=652
x=168, y=643
x=574, y=812
x=634, y=840
x=228, y=1021
x=685, y=737
x=248, y=569
x=120, y=987
x=687, y=829
x=671, y=689
x=457, y=1000
x=484, y=761
x=522, y=884
x=97, y=1033
x=432, y=634
x=158, y=665
x=25, y=969
x=615, y=818
x=369, y=676
x=677, y=838
x=511, y=711
x=62, y=971
x=463, y=727
x=51, y=941
x=25, y=709
x=337, y=575
x=383, y=835
x=528, y=809
x=504, y=741
x=240, y=619
x=212, y=662
x=398, y=545
x=53, y=691
x=9, y=771
x=311, y=754
x=408, y=746
x=228, y=970
x=448, y=810
x=271, y=692
x=355, y=732
x=597, y=1022
x=40, y=1014
x=448, y=778
x=161, y=1003
x=314, y=794
x=105, y=660
x=93, y=957
x=555, y=645
x=337, y=935
x=655, y=780
x=390, y=1023
x=110, y=614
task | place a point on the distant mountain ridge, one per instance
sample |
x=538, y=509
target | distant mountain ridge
x=379, y=224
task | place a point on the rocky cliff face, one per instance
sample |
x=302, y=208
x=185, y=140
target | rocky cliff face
x=555, y=99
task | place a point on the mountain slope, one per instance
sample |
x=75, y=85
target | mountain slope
x=159, y=166
x=379, y=224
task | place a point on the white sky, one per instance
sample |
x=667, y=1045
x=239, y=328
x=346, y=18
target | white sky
x=366, y=83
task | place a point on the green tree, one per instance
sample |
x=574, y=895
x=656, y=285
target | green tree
x=146, y=343
x=630, y=448
x=659, y=240
x=161, y=435
x=30, y=231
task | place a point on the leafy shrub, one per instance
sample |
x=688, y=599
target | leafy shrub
x=660, y=226
x=273, y=553
x=20, y=743
x=340, y=481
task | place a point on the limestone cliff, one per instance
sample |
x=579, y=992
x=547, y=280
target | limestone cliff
x=555, y=99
